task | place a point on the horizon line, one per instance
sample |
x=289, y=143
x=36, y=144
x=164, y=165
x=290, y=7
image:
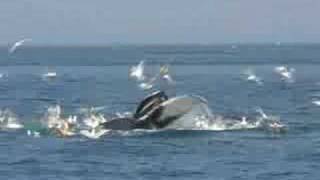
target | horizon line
x=279, y=43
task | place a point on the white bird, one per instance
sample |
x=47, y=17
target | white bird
x=285, y=72
x=280, y=68
x=137, y=72
x=316, y=102
x=168, y=78
x=145, y=86
x=164, y=73
x=261, y=112
x=17, y=44
x=50, y=75
x=252, y=77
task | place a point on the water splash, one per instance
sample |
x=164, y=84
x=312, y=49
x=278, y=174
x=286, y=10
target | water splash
x=9, y=120
x=35, y=134
x=124, y=114
x=66, y=127
x=92, y=128
x=220, y=123
x=200, y=117
x=54, y=121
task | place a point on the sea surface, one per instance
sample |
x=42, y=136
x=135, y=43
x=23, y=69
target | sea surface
x=99, y=77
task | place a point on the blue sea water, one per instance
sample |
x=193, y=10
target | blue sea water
x=98, y=76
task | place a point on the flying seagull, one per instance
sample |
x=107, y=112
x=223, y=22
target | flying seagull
x=18, y=44
x=137, y=72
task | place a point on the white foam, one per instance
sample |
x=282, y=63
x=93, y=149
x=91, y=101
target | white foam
x=62, y=126
x=36, y=134
x=200, y=117
x=123, y=114
x=197, y=117
x=8, y=120
x=14, y=126
x=94, y=134
x=33, y=133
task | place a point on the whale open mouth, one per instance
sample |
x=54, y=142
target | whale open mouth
x=186, y=112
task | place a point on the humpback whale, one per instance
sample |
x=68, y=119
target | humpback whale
x=155, y=111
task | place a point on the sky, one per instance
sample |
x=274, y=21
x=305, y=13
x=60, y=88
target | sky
x=104, y=22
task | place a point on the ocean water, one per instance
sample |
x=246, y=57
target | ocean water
x=98, y=77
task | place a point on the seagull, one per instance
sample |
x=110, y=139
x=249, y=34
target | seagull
x=252, y=77
x=280, y=68
x=137, y=72
x=316, y=102
x=149, y=84
x=164, y=73
x=285, y=72
x=168, y=78
x=50, y=75
x=164, y=69
x=261, y=112
x=17, y=44
x=145, y=82
x=145, y=86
